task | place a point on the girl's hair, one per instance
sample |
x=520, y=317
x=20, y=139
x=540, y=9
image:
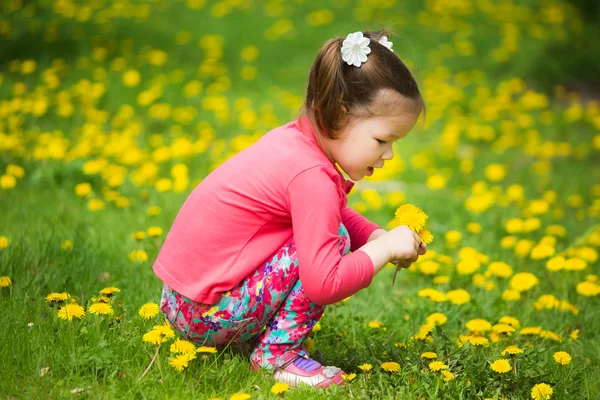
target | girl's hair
x=332, y=83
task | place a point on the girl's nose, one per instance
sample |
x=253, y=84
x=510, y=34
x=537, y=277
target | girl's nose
x=388, y=155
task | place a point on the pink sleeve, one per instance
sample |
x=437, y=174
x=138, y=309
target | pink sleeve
x=359, y=227
x=326, y=275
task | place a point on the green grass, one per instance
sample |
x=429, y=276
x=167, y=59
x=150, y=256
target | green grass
x=106, y=357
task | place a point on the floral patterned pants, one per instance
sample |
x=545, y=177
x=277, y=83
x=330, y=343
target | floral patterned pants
x=267, y=309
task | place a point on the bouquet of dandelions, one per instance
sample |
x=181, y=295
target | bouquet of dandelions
x=413, y=217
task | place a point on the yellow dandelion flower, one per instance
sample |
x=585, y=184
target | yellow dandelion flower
x=508, y=242
x=523, y=281
x=131, y=78
x=148, y=310
x=66, y=245
x=458, y=296
x=109, y=291
x=574, y=335
x=541, y=391
x=140, y=235
x=500, y=269
x=95, y=204
x=181, y=361
x=240, y=396
x=512, y=350
x=7, y=182
x=390, y=366
x=348, y=377
x=426, y=236
x=542, y=251
x=309, y=344
x=511, y=295
x=514, y=225
x=562, y=357
x=71, y=310
x=588, y=289
x=154, y=337
x=467, y=266
x=165, y=329
x=478, y=325
x=15, y=170
x=510, y=321
x=138, y=256
x=411, y=216
x=83, y=189
x=448, y=376
x=436, y=182
x=375, y=324
x=3, y=242
x=279, y=388
x=5, y=281
x=531, y=330
x=154, y=231
x=437, y=366
x=206, y=349
x=474, y=227
x=500, y=366
x=365, y=367
x=56, y=297
x=182, y=346
x=101, y=299
x=478, y=341
x=495, y=172
x=453, y=238
x=101, y=309
x=503, y=328
x=153, y=211
x=575, y=264
x=555, y=263
x=429, y=355
x=437, y=319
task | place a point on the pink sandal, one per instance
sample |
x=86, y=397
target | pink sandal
x=293, y=369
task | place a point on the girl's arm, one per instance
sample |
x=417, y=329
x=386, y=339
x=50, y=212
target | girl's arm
x=360, y=228
x=376, y=233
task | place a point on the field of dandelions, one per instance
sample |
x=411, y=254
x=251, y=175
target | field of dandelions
x=111, y=111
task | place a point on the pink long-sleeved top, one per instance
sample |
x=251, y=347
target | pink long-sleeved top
x=282, y=186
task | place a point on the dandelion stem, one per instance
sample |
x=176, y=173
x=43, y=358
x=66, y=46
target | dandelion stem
x=395, y=273
x=151, y=362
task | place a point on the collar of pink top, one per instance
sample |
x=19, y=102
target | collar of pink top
x=306, y=127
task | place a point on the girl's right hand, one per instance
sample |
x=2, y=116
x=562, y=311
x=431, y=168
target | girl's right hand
x=404, y=246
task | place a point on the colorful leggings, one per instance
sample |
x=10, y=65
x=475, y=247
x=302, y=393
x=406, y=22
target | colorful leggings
x=268, y=308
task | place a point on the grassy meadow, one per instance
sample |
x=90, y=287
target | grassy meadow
x=112, y=111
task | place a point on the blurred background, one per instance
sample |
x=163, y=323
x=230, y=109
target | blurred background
x=138, y=86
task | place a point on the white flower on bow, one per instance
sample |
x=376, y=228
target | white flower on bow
x=384, y=41
x=355, y=49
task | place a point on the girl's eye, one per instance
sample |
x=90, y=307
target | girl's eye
x=381, y=141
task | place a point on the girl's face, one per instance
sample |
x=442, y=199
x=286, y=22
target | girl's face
x=365, y=144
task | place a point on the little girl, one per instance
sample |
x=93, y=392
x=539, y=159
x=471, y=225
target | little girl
x=266, y=240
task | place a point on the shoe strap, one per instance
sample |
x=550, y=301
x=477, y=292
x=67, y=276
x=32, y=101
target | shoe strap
x=283, y=360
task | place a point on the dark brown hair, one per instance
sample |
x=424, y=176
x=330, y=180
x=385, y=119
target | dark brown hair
x=333, y=84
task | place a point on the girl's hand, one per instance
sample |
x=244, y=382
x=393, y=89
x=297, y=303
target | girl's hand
x=400, y=263
x=402, y=244
x=406, y=264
